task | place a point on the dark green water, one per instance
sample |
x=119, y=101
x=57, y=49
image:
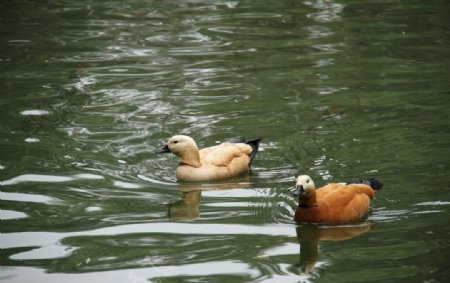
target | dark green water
x=336, y=89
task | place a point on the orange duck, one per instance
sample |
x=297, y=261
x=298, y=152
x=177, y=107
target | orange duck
x=335, y=203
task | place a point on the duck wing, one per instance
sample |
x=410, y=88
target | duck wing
x=223, y=154
x=340, y=195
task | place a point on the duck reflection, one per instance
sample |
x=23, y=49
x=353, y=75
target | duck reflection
x=309, y=235
x=187, y=208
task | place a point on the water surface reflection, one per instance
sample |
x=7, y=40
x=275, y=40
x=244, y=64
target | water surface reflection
x=187, y=208
x=309, y=236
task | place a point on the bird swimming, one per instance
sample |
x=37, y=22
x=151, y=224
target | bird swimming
x=335, y=203
x=226, y=160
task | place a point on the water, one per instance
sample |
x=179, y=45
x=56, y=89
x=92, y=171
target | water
x=336, y=89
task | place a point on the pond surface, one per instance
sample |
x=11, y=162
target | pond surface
x=336, y=89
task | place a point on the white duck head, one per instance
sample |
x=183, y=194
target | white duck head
x=304, y=184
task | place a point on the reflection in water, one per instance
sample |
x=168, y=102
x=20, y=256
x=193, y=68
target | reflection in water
x=309, y=235
x=186, y=209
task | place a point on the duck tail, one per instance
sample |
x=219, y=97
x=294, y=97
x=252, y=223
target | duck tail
x=255, y=147
x=375, y=184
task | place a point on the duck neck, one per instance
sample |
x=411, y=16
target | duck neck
x=307, y=200
x=191, y=158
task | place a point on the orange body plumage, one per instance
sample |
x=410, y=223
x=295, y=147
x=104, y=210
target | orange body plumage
x=334, y=203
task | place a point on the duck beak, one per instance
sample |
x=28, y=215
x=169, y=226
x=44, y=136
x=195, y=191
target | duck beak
x=299, y=190
x=164, y=149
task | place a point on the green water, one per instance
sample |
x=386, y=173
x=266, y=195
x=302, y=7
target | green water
x=336, y=89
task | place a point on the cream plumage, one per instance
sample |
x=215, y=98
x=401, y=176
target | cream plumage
x=222, y=161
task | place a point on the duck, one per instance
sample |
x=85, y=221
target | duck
x=334, y=203
x=223, y=161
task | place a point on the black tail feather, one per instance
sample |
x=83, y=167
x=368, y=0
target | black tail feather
x=253, y=143
x=255, y=146
x=375, y=184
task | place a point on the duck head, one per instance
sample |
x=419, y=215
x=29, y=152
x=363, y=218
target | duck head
x=183, y=147
x=304, y=185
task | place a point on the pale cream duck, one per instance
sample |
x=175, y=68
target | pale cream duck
x=226, y=160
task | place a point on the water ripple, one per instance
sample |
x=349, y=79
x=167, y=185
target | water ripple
x=21, y=197
x=28, y=274
x=33, y=239
x=11, y=214
x=49, y=178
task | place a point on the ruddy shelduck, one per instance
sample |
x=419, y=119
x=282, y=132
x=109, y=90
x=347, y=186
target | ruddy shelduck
x=226, y=160
x=335, y=203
